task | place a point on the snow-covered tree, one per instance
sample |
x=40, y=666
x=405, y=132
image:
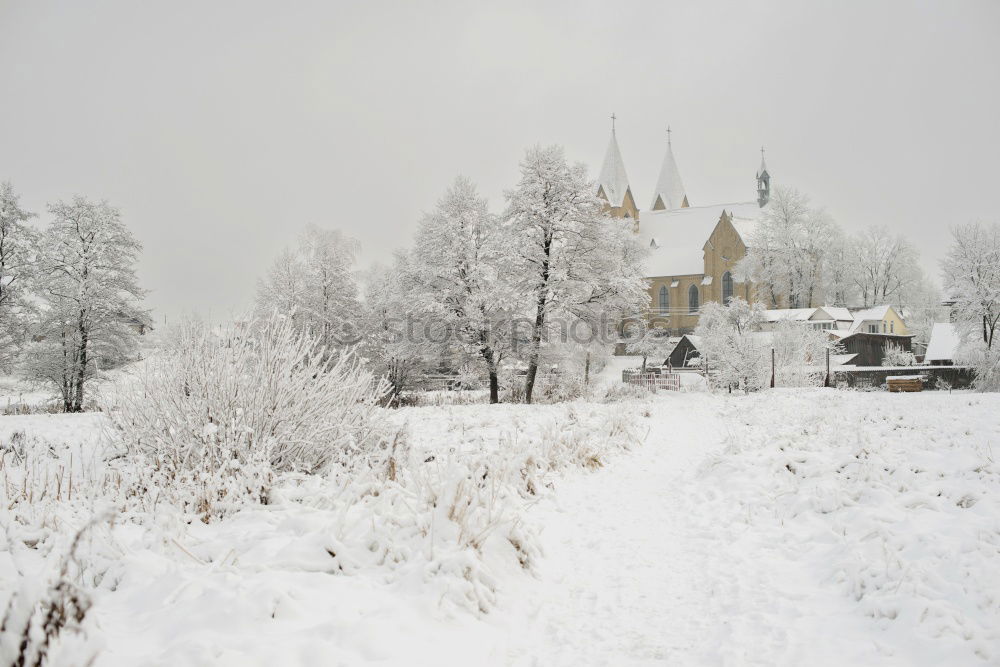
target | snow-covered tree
x=314, y=285
x=91, y=294
x=920, y=307
x=18, y=250
x=573, y=262
x=460, y=274
x=649, y=342
x=971, y=272
x=884, y=266
x=789, y=258
x=800, y=354
x=393, y=342
x=727, y=339
x=841, y=289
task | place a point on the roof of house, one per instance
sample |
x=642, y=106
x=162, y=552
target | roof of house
x=681, y=234
x=613, y=178
x=869, y=314
x=838, y=313
x=944, y=342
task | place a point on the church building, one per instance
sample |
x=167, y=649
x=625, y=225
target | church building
x=693, y=250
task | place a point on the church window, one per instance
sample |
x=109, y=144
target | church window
x=727, y=287
x=664, y=300
x=892, y=327
x=693, y=299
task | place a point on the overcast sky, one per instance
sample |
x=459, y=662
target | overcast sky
x=220, y=129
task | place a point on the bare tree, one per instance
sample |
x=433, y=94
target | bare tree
x=91, y=296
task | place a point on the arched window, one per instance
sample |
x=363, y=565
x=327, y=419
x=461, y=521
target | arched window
x=693, y=299
x=727, y=287
x=664, y=300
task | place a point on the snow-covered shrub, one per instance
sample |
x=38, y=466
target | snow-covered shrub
x=223, y=412
x=621, y=391
x=895, y=355
x=985, y=362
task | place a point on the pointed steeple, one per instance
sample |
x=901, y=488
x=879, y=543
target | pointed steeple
x=613, y=180
x=763, y=182
x=669, y=193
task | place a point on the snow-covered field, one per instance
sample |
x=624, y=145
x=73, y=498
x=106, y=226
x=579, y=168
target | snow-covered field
x=806, y=527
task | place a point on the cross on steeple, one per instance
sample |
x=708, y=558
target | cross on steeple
x=613, y=117
x=668, y=134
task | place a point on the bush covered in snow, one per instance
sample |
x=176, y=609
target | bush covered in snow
x=219, y=414
x=895, y=355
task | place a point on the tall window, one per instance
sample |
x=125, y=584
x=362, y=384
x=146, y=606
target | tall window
x=664, y=300
x=727, y=287
x=693, y=299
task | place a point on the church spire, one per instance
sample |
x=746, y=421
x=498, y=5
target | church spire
x=763, y=182
x=613, y=183
x=669, y=192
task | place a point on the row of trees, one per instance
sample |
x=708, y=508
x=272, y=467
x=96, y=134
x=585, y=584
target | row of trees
x=69, y=297
x=800, y=257
x=477, y=288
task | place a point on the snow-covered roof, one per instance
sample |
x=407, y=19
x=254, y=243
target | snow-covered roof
x=669, y=188
x=780, y=314
x=613, y=179
x=838, y=313
x=841, y=359
x=868, y=315
x=944, y=342
x=682, y=234
x=746, y=224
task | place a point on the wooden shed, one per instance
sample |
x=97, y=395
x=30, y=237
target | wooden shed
x=870, y=348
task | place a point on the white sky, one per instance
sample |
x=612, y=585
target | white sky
x=222, y=128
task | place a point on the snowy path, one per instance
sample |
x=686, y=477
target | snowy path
x=630, y=577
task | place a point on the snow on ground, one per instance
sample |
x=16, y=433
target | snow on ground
x=817, y=527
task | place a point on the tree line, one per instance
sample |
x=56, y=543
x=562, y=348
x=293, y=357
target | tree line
x=490, y=292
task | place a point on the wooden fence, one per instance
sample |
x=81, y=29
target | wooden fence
x=667, y=381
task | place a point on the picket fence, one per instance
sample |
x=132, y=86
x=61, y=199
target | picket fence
x=667, y=381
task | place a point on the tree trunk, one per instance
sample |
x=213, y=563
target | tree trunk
x=82, y=368
x=536, y=334
x=586, y=371
x=491, y=367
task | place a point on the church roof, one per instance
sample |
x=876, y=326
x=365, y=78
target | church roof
x=669, y=187
x=613, y=179
x=681, y=235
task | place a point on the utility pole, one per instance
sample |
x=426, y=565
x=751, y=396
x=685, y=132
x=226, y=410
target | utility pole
x=772, y=368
